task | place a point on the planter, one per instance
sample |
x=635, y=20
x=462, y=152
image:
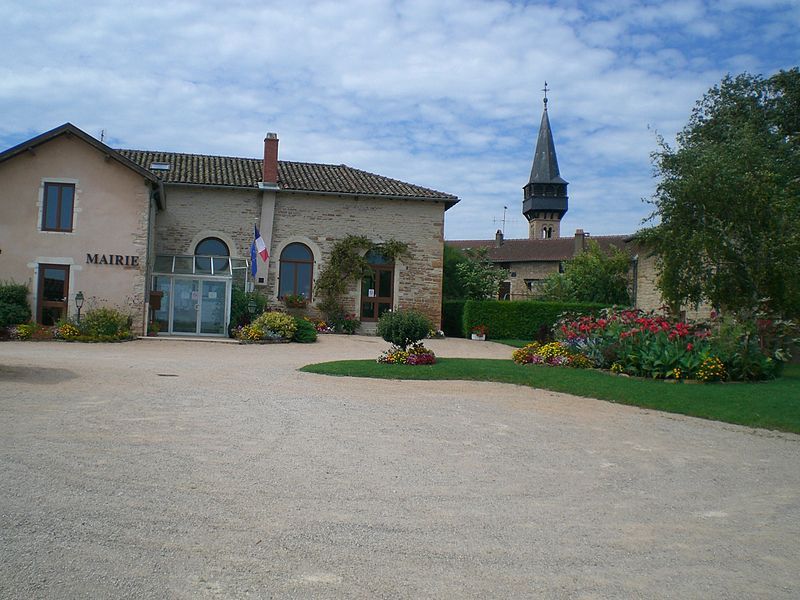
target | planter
x=478, y=337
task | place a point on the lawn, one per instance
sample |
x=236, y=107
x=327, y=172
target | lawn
x=769, y=405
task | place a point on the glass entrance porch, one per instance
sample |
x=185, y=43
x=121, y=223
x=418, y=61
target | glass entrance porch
x=196, y=293
x=192, y=306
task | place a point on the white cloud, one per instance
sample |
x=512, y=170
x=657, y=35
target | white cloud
x=443, y=94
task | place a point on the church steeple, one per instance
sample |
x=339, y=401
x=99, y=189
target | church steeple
x=545, y=196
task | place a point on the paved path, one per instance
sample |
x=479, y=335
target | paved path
x=162, y=469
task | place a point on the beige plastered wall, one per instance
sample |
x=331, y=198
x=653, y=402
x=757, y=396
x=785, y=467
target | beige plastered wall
x=320, y=221
x=111, y=213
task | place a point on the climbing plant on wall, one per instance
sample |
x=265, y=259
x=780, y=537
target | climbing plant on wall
x=346, y=265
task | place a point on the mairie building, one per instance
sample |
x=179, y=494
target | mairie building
x=77, y=216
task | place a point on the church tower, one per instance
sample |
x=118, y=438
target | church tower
x=545, y=196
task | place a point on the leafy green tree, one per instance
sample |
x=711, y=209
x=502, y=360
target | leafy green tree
x=452, y=286
x=592, y=276
x=476, y=276
x=728, y=199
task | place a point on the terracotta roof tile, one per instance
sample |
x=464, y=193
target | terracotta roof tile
x=295, y=176
x=556, y=249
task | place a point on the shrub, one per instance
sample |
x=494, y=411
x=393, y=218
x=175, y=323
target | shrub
x=346, y=323
x=453, y=318
x=14, y=307
x=106, y=322
x=403, y=327
x=280, y=323
x=240, y=311
x=522, y=320
x=305, y=331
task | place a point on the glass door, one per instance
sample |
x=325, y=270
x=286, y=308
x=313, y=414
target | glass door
x=185, y=305
x=376, y=293
x=192, y=306
x=212, y=307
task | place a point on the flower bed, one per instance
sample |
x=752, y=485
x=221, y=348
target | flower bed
x=97, y=325
x=653, y=345
x=554, y=354
x=415, y=354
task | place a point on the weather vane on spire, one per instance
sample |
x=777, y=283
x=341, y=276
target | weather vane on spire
x=545, y=89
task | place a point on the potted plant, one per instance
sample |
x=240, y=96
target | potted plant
x=295, y=301
x=153, y=328
x=479, y=332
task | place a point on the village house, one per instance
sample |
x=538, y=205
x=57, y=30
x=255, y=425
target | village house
x=112, y=226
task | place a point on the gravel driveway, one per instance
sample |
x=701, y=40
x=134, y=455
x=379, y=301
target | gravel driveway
x=166, y=469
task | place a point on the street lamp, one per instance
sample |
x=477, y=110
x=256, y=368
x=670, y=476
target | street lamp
x=79, y=304
x=251, y=306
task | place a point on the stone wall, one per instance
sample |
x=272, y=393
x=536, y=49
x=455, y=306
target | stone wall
x=320, y=221
x=193, y=213
x=528, y=270
x=648, y=296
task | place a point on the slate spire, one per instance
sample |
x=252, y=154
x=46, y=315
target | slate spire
x=545, y=195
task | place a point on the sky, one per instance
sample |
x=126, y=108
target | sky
x=444, y=94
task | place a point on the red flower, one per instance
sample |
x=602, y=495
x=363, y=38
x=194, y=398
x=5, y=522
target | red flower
x=689, y=346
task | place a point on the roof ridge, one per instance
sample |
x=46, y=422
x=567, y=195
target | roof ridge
x=187, y=154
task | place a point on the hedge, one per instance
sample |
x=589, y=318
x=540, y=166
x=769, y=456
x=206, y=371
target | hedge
x=453, y=318
x=14, y=307
x=519, y=320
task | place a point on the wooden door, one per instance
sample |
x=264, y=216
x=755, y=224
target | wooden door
x=376, y=292
x=53, y=293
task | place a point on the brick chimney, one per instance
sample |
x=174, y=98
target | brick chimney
x=580, y=241
x=498, y=239
x=270, y=173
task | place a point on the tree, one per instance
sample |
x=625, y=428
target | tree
x=477, y=277
x=591, y=276
x=728, y=199
x=452, y=286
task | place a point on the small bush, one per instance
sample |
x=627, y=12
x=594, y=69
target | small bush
x=305, y=332
x=14, y=307
x=106, y=323
x=344, y=323
x=277, y=322
x=403, y=327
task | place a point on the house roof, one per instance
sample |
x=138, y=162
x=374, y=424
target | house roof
x=229, y=171
x=524, y=250
x=68, y=129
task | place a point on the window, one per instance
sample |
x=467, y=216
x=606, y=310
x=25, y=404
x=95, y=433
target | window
x=297, y=263
x=59, y=199
x=211, y=247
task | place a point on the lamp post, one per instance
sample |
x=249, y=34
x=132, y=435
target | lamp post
x=79, y=303
x=251, y=307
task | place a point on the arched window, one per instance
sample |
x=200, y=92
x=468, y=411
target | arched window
x=296, y=271
x=208, y=247
x=212, y=247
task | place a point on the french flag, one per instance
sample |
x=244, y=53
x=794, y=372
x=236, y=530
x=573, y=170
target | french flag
x=257, y=247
